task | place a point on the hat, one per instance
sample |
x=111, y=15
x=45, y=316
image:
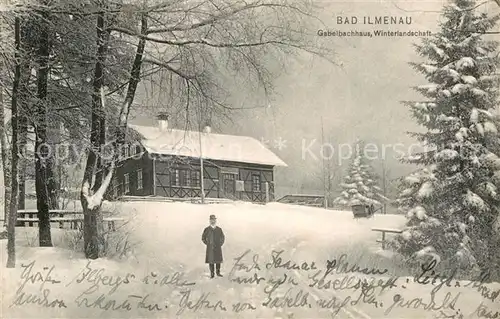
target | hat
x=213, y=217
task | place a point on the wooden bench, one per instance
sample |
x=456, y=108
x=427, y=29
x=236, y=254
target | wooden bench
x=29, y=222
x=30, y=216
x=76, y=222
x=386, y=230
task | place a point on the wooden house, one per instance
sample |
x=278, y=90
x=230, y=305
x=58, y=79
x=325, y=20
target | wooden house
x=175, y=163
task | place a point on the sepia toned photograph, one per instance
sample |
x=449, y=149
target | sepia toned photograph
x=274, y=159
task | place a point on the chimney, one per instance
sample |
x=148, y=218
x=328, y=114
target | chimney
x=162, y=121
x=207, y=127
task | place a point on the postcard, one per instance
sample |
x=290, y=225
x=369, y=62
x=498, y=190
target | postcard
x=277, y=159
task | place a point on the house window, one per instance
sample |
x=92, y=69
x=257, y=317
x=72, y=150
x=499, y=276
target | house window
x=125, y=151
x=135, y=149
x=186, y=177
x=176, y=178
x=126, y=183
x=195, y=178
x=256, y=183
x=229, y=183
x=139, y=179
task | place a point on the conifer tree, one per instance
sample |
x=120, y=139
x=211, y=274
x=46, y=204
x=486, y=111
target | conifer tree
x=453, y=201
x=360, y=185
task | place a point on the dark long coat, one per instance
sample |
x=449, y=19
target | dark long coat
x=213, y=238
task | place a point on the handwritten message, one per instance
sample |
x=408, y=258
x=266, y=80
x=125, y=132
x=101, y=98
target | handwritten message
x=260, y=286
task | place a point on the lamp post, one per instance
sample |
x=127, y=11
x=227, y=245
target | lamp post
x=206, y=130
x=202, y=182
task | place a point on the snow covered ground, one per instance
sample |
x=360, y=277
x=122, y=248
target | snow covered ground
x=163, y=275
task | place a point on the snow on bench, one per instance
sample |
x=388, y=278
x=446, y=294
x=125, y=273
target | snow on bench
x=386, y=230
x=74, y=221
x=52, y=211
x=28, y=214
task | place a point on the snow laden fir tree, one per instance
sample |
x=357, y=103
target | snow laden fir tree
x=360, y=186
x=453, y=201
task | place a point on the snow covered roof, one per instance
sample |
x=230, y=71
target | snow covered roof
x=221, y=147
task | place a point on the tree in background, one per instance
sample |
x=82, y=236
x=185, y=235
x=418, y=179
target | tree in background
x=195, y=46
x=11, y=232
x=360, y=186
x=453, y=202
x=82, y=54
x=4, y=148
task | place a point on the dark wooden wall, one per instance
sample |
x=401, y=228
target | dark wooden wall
x=219, y=178
x=214, y=179
x=130, y=166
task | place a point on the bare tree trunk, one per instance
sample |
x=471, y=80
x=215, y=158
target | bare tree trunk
x=4, y=147
x=43, y=155
x=22, y=184
x=11, y=227
x=93, y=193
x=92, y=224
x=135, y=74
x=23, y=130
x=23, y=137
x=54, y=184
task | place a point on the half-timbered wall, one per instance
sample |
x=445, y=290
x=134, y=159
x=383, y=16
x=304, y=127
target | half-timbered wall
x=253, y=178
x=221, y=179
x=180, y=177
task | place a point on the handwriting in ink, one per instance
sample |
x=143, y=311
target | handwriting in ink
x=177, y=279
x=102, y=302
x=201, y=303
x=289, y=300
x=23, y=298
x=367, y=296
x=382, y=283
x=345, y=283
x=447, y=315
x=144, y=303
x=240, y=307
x=485, y=292
x=430, y=276
x=349, y=282
x=239, y=265
x=449, y=302
x=342, y=266
x=106, y=303
x=254, y=279
x=334, y=304
x=28, y=275
x=484, y=312
x=277, y=262
x=97, y=277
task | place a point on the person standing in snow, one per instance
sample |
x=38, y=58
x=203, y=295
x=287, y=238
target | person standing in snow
x=213, y=237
